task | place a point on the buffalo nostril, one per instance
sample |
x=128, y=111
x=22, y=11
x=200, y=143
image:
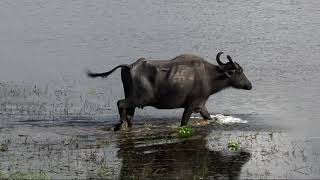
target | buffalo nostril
x=249, y=87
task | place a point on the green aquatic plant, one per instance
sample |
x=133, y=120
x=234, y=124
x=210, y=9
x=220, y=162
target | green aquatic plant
x=185, y=132
x=233, y=145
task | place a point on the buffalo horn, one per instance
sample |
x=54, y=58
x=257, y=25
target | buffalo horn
x=218, y=59
x=230, y=59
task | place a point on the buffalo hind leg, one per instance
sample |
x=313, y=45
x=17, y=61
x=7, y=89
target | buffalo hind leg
x=123, y=106
x=186, y=116
x=205, y=114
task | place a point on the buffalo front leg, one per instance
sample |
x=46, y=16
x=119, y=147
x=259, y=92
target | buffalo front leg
x=123, y=106
x=130, y=114
x=205, y=114
x=186, y=116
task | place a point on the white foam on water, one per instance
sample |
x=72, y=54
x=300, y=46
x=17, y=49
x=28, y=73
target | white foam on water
x=222, y=119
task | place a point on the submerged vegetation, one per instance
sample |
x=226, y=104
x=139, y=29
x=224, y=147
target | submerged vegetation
x=46, y=101
x=24, y=175
x=3, y=175
x=3, y=147
x=103, y=171
x=102, y=143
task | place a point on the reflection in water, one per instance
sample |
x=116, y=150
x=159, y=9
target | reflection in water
x=153, y=155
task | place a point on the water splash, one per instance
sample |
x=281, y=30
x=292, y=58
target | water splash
x=220, y=118
x=223, y=119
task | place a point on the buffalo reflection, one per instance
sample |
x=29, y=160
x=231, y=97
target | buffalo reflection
x=165, y=156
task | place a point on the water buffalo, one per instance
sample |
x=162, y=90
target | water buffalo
x=186, y=82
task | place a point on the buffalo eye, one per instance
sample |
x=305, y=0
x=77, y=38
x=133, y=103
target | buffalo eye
x=229, y=73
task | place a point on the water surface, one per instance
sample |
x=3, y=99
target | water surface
x=46, y=46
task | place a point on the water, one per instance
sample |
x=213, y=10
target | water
x=46, y=46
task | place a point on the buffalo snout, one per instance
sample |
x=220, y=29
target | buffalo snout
x=248, y=86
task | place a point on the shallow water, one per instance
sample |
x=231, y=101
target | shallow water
x=156, y=150
x=45, y=47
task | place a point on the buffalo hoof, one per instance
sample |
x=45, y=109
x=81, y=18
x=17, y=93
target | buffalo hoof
x=121, y=126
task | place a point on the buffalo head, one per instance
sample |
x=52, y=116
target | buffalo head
x=234, y=72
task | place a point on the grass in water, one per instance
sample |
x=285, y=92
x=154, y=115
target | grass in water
x=185, y=132
x=102, y=143
x=24, y=175
x=103, y=171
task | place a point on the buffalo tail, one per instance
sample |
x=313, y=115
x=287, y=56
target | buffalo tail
x=105, y=74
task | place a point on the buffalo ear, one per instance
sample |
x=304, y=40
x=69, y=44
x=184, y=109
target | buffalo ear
x=221, y=69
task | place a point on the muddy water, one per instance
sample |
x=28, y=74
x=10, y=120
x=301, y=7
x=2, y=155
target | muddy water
x=44, y=93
